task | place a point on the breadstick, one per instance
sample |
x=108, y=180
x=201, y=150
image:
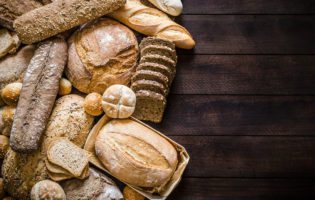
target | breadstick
x=59, y=16
x=152, y=22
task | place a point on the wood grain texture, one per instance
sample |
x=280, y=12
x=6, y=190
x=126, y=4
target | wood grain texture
x=245, y=74
x=239, y=115
x=244, y=189
x=249, y=7
x=251, y=34
x=249, y=156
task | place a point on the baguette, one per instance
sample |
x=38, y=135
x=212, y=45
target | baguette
x=59, y=16
x=152, y=22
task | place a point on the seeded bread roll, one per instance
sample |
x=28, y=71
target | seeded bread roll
x=135, y=154
x=59, y=16
x=149, y=85
x=101, y=54
x=150, y=106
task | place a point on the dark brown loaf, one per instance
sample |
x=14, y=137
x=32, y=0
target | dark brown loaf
x=40, y=88
x=155, y=67
x=59, y=16
x=163, y=60
x=150, y=75
x=159, y=50
x=156, y=41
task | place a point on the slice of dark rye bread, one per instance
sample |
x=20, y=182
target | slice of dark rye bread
x=163, y=60
x=149, y=85
x=157, y=68
x=151, y=75
x=156, y=41
x=159, y=50
x=150, y=106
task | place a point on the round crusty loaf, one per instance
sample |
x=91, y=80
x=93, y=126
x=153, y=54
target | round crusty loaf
x=68, y=119
x=101, y=54
x=135, y=154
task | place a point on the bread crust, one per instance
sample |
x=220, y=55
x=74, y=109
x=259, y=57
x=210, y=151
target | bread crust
x=101, y=54
x=59, y=16
x=135, y=154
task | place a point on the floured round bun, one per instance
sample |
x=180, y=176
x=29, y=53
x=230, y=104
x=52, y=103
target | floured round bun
x=101, y=54
x=47, y=189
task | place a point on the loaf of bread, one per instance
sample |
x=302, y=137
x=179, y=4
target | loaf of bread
x=171, y=7
x=96, y=187
x=101, y=54
x=68, y=119
x=135, y=154
x=152, y=22
x=59, y=16
x=37, y=98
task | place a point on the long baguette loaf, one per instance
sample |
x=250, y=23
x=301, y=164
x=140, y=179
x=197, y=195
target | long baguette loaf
x=40, y=88
x=152, y=22
x=59, y=16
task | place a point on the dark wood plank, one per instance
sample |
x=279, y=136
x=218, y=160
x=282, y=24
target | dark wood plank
x=251, y=34
x=249, y=156
x=249, y=7
x=243, y=74
x=244, y=189
x=239, y=115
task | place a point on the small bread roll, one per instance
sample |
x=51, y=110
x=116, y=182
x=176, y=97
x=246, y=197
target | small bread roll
x=130, y=194
x=46, y=189
x=4, y=145
x=10, y=93
x=65, y=87
x=119, y=101
x=93, y=104
x=8, y=198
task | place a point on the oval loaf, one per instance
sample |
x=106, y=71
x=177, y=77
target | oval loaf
x=135, y=154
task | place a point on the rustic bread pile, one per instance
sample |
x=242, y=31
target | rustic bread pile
x=65, y=62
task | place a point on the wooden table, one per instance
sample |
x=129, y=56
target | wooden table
x=243, y=100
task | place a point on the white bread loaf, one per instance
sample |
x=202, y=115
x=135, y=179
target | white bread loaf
x=135, y=154
x=152, y=22
x=171, y=7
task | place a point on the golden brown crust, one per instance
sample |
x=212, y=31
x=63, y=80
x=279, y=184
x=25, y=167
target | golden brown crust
x=11, y=92
x=130, y=194
x=101, y=54
x=93, y=104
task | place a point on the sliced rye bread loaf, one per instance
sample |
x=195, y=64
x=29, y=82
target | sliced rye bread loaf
x=156, y=41
x=150, y=106
x=157, y=68
x=159, y=50
x=67, y=155
x=149, y=85
x=163, y=60
x=151, y=75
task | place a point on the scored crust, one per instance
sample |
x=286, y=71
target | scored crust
x=101, y=54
